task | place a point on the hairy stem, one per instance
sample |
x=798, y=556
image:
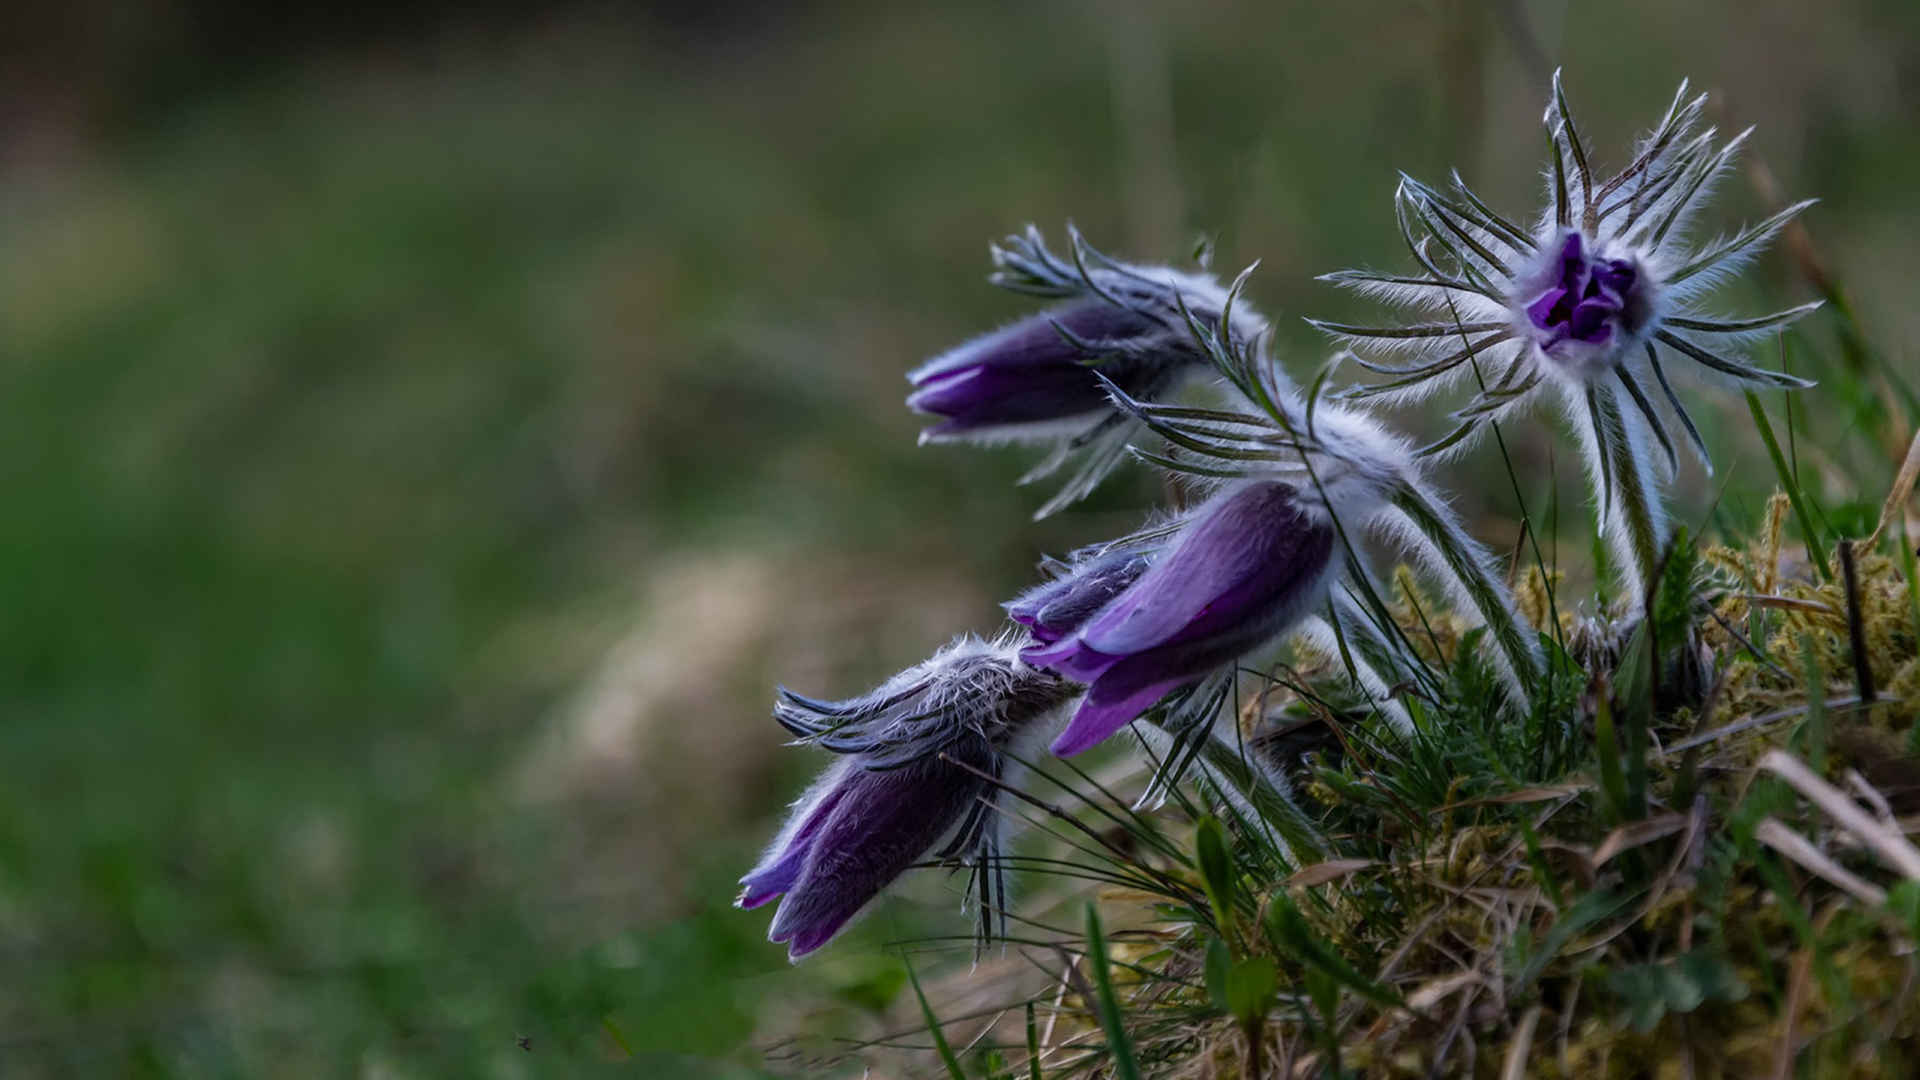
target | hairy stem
x=1468, y=569
x=1631, y=513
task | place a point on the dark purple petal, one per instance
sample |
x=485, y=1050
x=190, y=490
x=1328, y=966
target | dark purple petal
x=990, y=396
x=1239, y=572
x=1058, y=608
x=1587, y=299
x=1548, y=309
x=1036, y=342
x=1091, y=591
x=1028, y=606
x=1573, y=260
x=885, y=822
x=1070, y=657
x=777, y=875
x=1134, y=684
x=1099, y=717
x=1590, y=321
x=1241, y=553
x=1616, y=275
x=1030, y=372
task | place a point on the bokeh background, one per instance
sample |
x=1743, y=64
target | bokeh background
x=431, y=430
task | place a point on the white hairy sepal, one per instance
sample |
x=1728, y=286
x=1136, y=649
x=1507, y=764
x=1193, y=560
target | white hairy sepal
x=1363, y=459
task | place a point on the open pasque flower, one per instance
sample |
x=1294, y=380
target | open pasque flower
x=923, y=758
x=1587, y=304
x=1040, y=379
x=1241, y=570
x=1602, y=288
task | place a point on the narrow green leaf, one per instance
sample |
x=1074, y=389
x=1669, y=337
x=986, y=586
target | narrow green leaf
x=1119, y=1046
x=1250, y=988
x=1216, y=871
x=1537, y=858
x=1903, y=901
x=1613, y=784
x=613, y=1032
x=1585, y=912
x=1219, y=966
x=1791, y=485
x=940, y=1045
x=1291, y=932
x=1324, y=989
x=1033, y=1045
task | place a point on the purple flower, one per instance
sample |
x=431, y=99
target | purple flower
x=1058, y=607
x=1596, y=295
x=858, y=833
x=924, y=756
x=1586, y=299
x=1246, y=566
x=1036, y=378
x=1040, y=380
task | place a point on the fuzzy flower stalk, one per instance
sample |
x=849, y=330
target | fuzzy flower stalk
x=923, y=760
x=1039, y=380
x=1587, y=305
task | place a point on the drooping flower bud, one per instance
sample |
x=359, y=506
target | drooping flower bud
x=924, y=756
x=1039, y=380
x=1034, y=380
x=1245, y=567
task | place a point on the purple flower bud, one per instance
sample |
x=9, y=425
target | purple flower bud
x=867, y=827
x=1059, y=607
x=1248, y=564
x=1041, y=379
x=1584, y=299
x=923, y=752
x=1036, y=378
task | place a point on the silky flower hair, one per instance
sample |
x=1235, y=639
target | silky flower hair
x=924, y=757
x=1039, y=380
x=1588, y=305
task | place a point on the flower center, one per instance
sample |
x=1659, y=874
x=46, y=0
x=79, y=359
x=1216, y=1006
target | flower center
x=1586, y=299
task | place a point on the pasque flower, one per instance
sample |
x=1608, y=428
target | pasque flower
x=923, y=758
x=1040, y=379
x=1243, y=568
x=1593, y=291
x=1588, y=305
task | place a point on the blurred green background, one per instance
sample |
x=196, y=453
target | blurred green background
x=431, y=432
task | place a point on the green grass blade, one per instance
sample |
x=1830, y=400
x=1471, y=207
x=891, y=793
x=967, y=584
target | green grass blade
x=940, y=1044
x=1792, y=486
x=1033, y=1046
x=1125, y=1067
